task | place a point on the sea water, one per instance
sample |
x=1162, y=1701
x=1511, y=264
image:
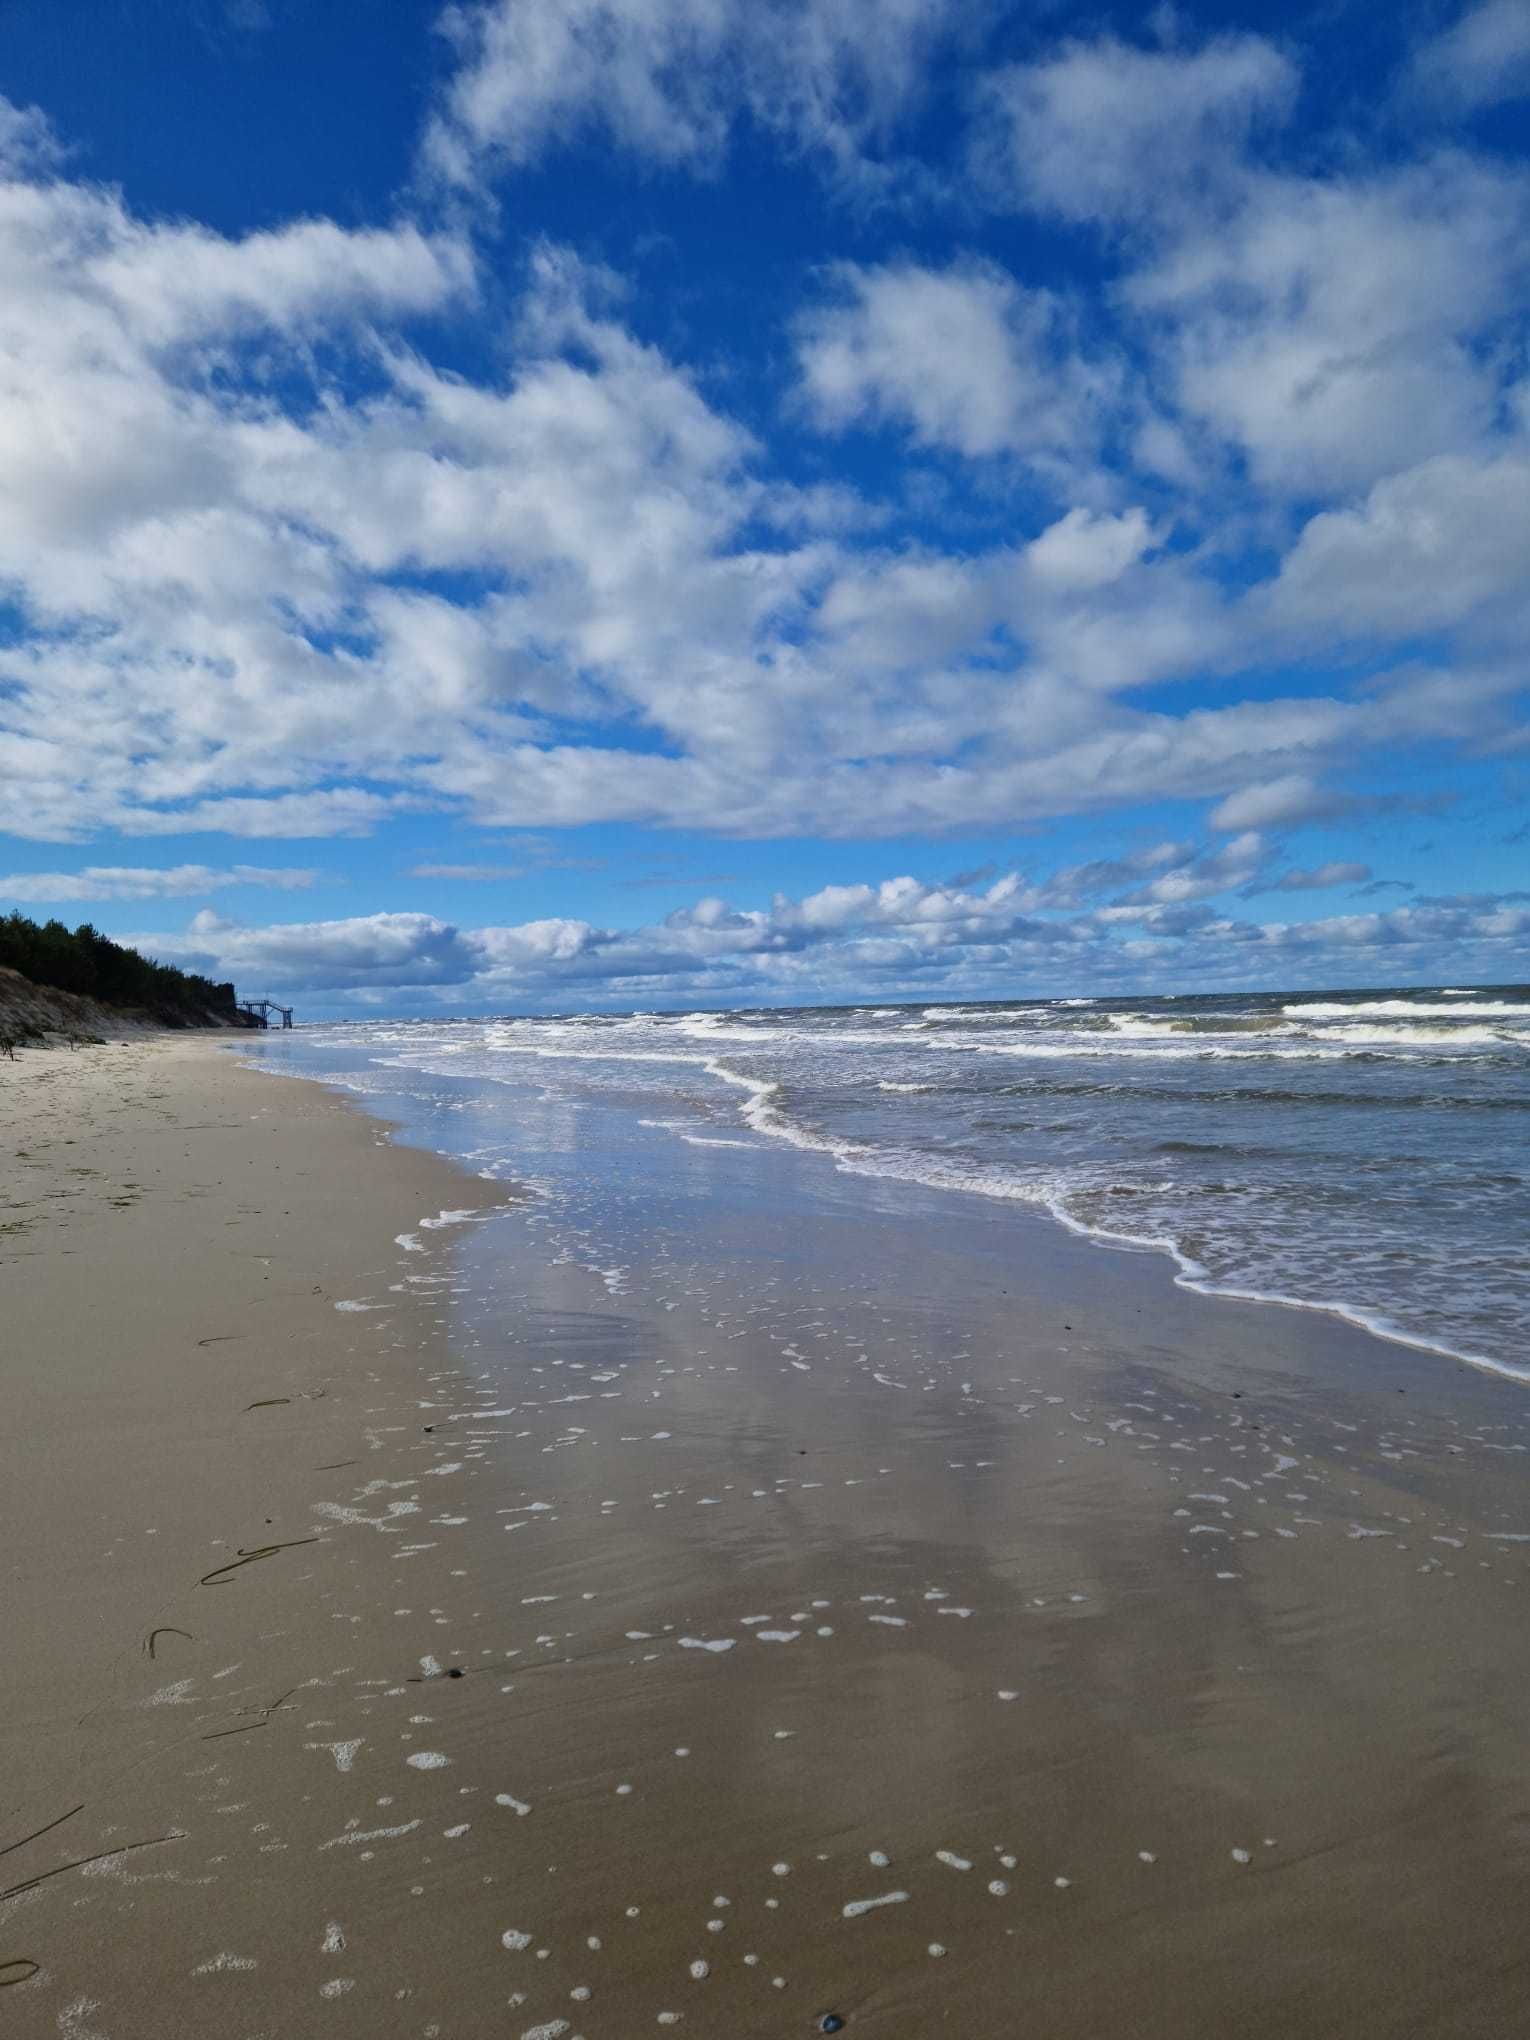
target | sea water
x=1361, y=1152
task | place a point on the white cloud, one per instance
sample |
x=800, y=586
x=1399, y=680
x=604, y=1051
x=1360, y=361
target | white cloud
x=1294, y=797
x=174, y=284
x=27, y=141
x=239, y=632
x=1420, y=704
x=900, y=936
x=280, y=574
x=1083, y=551
x=1335, y=329
x=1318, y=878
x=1105, y=131
x=143, y=882
x=470, y=874
x=391, y=950
x=669, y=79
x=1439, y=546
x=964, y=357
x=1327, y=328
x=1235, y=863
x=329, y=811
x=1482, y=59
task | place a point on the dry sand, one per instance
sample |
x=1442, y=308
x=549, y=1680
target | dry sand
x=940, y=1658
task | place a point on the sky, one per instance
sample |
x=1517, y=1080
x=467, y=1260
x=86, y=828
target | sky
x=546, y=505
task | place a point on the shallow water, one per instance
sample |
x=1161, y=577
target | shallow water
x=1364, y=1152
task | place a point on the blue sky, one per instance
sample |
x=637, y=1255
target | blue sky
x=568, y=503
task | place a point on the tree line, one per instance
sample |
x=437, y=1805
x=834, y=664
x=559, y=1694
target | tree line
x=85, y=961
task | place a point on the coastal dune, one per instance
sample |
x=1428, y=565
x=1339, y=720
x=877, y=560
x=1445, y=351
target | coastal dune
x=861, y=1618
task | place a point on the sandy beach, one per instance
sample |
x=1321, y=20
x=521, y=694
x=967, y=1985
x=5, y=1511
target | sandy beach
x=858, y=1610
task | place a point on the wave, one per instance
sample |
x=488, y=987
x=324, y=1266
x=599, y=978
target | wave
x=1407, y=1009
x=1266, y=1094
x=1132, y=1039
x=990, y=1015
x=1389, y=1054
x=1199, y=1023
x=719, y=1027
x=1425, y=1036
x=765, y=1113
x=1180, y=1048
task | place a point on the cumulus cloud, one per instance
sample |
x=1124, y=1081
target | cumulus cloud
x=236, y=624
x=1230, y=864
x=1336, y=329
x=964, y=356
x=1442, y=544
x=1086, y=551
x=387, y=950
x=1331, y=328
x=1106, y=131
x=897, y=936
x=278, y=571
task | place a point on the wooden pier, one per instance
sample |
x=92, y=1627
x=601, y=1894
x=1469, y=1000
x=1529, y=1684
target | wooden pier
x=260, y=1011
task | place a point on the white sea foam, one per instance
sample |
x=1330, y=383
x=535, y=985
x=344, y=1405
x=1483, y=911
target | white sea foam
x=1143, y=1025
x=1176, y=1046
x=859, y=1906
x=1422, y=1035
x=1407, y=1009
x=1201, y=1165
x=966, y=1016
x=1052, y=1194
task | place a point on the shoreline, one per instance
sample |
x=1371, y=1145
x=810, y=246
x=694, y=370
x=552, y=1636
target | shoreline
x=1189, y=1274
x=758, y=1114
x=589, y=1585
x=762, y=1117
x=1044, y=1218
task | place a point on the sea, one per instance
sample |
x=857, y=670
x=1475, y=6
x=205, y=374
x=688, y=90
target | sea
x=1365, y=1153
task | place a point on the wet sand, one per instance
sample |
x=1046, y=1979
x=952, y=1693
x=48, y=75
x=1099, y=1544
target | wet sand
x=885, y=1613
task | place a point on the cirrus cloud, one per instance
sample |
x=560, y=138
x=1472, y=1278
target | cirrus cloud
x=144, y=882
